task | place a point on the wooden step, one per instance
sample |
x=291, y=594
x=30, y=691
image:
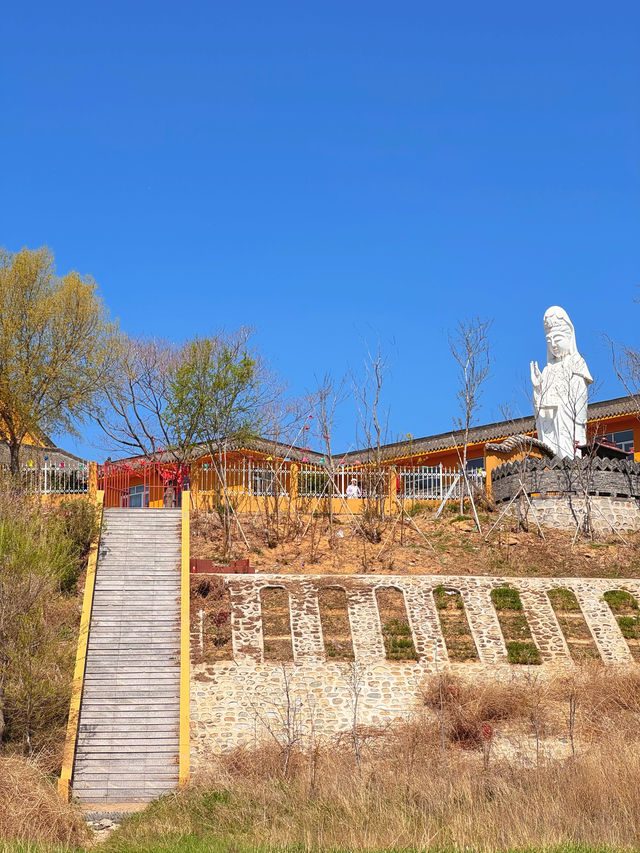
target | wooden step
x=128, y=735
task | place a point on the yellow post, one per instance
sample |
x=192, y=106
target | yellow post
x=68, y=755
x=493, y=458
x=93, y=480
x=293, y=482
x=491, y=461
x=185, y=681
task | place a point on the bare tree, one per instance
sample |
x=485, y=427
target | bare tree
x=133, y=415
x=287, y=423
x=281, y=715
x=469, y=345
x=354, y=678
x=326, y=399
x=527, y=447
x=374, y=423
x=626, y=364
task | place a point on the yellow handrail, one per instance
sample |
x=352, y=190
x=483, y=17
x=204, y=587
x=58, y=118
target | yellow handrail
x=183, y=768
x=68, y=755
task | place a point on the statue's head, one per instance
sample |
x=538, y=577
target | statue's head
x=560, y=334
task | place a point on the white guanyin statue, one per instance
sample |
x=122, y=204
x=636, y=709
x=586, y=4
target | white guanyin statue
x=560, y=390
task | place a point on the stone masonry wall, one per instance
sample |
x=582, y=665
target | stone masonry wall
x=607, y=514
x=245, y=700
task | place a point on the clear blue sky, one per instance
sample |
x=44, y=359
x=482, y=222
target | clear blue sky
x=337, y=171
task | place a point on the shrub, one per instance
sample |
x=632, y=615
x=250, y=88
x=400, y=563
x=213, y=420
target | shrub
x=440, y=596
x=416, y=508
x=467, y=707
x=629, y=626
x=372, y=523
x=37, y=629
x=78, y=521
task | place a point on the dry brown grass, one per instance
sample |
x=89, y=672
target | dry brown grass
x=467, y=713
x=457, y=549
x=30, y=809
x=414, y=791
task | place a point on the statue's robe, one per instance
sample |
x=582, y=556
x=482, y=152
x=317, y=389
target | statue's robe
x=560, y=403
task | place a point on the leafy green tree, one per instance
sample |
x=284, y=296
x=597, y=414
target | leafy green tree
x=219, y=392
x=54, y=347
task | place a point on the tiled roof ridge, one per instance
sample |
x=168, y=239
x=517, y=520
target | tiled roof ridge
x=497, y=430
x=36, y=450
x=492, y=431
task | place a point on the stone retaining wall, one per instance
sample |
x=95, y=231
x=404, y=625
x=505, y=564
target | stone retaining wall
x=557, y=488
x=605, y=477
x=243, y=701
x=607, y=514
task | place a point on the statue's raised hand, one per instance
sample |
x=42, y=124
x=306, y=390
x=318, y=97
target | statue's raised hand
x=536, y=376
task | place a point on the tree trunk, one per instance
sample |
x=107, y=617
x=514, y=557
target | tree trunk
x=463, y=469
x=14, y=457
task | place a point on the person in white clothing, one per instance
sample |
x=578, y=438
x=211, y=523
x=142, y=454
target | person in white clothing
x=353, y=489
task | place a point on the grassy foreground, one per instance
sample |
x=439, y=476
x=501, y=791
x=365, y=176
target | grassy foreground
x=531, y=764
x=445, y=781
x=190, y=844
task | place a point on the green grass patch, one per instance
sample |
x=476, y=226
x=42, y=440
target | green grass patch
x=523, y=653
x=398, y=642
x=520, y=647
x=506, y=598
x=620, y=600
x=444, y=597
x=630, y=627
x=562, y=598
x=416, y=508
x=440, y=596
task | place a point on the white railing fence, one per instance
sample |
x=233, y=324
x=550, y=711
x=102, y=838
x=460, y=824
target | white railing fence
x=348, y=482
x=245, y=478
x=433, y=483
x=64, y=478
x=260, y=480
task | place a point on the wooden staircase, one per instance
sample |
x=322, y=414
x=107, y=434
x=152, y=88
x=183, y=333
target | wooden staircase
x=128, y=735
